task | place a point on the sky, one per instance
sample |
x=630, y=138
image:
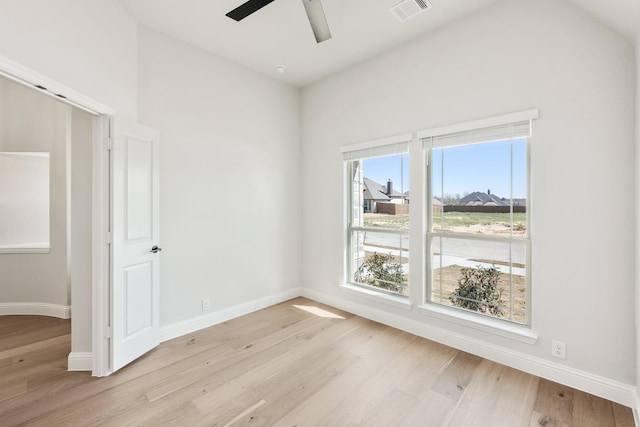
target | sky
x=381, y=169
x=469, y=168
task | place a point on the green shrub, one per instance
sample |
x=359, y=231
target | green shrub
x=478, y=290
x=381, y=271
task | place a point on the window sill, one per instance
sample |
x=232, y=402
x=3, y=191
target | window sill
x=480, y=323
x=396, y=301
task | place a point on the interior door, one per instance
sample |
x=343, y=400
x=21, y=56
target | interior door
x=135, y=301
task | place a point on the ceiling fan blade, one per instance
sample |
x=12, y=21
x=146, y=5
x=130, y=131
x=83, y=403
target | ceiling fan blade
x=246, y=9
x=317, y=19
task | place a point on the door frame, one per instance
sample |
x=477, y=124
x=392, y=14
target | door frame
x=101, y=202
x=101, y=240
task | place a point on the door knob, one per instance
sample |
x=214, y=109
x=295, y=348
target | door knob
x=155, y=250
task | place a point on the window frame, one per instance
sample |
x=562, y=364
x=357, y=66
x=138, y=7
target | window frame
x=395, y=145
x=430, y=234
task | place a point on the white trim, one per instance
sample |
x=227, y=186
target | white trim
x=625, y=394
x=100, y=251
x=25, y=250
x=480, y=322
x=18, y=73
x=481, y=123
x=396, y=301
x=79, y=361
x=636, y=408
x=395, y=139
x=35, y=309
x=210, y=319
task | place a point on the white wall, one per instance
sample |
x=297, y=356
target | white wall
x=89, y=46
x=33, y=122
x=230, y=177
x=514, y=56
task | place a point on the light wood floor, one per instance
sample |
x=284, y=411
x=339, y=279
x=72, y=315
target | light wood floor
x=294, y=364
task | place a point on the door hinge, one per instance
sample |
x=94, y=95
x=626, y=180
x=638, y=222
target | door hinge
x=108, y=144
x=108, y=332
x=108, y=238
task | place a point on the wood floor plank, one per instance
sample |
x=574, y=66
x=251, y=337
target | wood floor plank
x=327, y=402
x=28, y=333
x=299, y=363
x=590, y=411
x=13, y=389
x=433, y=410
x=35, y=362
x=455, y=378
x=36, y=346
x=622, y=415
x=302, y=374
x=496, y=395
x=372, y=394
x=389, y=410
x=151, y=367
x=207, y=373
x=553, y=406
x=307, y=374
x=264, y=366
x=188, y=377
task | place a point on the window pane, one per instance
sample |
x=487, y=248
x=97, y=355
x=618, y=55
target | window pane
x=380, y=260
x=383, y=186
x=474, y=185
x=24, y=201
x=483, y=276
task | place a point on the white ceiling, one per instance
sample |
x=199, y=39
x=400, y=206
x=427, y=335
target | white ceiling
x=279, y=34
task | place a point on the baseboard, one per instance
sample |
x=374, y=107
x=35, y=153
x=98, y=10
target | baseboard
x=210, y=319
x=615, y=391
x=636, y=408
x=80, y=361
x=35, y=309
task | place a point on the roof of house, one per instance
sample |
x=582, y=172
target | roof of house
x=375, y=191
x=483, y=199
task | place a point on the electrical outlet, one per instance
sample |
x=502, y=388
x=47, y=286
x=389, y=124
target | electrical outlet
x=206, y=304
x=559, y=349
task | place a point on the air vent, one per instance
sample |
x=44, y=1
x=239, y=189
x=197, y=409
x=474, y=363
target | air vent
x=407, y=9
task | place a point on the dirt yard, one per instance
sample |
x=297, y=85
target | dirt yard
x=445, y=281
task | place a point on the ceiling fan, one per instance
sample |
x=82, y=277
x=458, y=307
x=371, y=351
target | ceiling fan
x=314, y=10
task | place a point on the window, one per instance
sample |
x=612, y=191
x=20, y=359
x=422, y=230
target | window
x=378, y=217
x=478, y=237
x=472, y=207
x=24, y=202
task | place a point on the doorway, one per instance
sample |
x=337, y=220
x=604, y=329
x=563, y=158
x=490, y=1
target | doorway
x=90, y=294
x=115, y=188
x=43, y=276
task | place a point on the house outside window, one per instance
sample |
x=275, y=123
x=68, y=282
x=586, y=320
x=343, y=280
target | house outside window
x=478, y=236
x=378, y=218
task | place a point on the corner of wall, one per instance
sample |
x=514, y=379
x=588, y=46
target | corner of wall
x=179, y=329
x=637, y=232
